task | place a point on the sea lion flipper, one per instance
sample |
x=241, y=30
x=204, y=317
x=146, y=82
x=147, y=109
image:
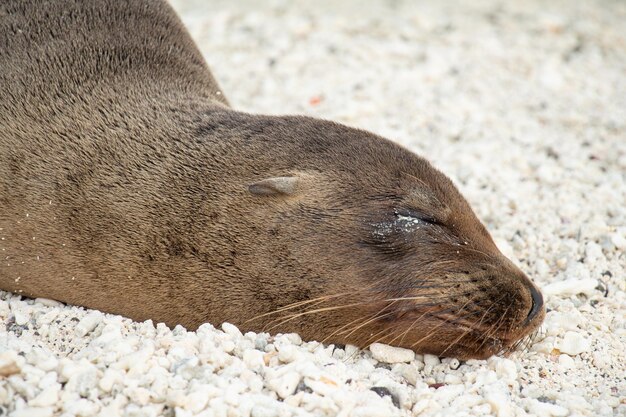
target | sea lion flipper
x=275, y=186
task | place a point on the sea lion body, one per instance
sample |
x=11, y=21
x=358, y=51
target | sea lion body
x=128, y=185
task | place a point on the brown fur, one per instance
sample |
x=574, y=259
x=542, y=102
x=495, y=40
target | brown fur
x=128, y=185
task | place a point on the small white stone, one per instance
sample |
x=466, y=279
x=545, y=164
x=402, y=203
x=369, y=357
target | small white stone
x=288, y=353
x=542, y=268
x=445, y=394
x=253, y=359
x=454, y=364
x=293, y=338
x=574, y=343
x=542, y=409
x=47, y=397
x=88, y=323
x=500, y=403
x=619, y=240
x=81, y=407
x=506, y=369
x=390, y=354
x=593, y=252
x=197, y=400
x=263, y=410
x=556, y=322
x=452, y=379
x=228, y=346
x=47, y=317
x=430, y=361
x=285, y=385
x=48, y=302
x=110, y=377
x=323, y=387
x=420, y=406
x=570, y=287
x=10, y=363
x=372, y=411
x=43, y=360
x=566, y=361
x=409, y=372
x=33, y=412
x=21, y=317
x=232, y=330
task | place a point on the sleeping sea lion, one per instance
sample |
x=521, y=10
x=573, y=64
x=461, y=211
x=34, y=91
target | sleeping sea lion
x=129, y=185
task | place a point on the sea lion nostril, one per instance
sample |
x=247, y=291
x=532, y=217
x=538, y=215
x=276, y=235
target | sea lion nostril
x=537, y=304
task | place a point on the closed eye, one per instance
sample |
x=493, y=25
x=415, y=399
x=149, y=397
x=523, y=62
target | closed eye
x=415, y=217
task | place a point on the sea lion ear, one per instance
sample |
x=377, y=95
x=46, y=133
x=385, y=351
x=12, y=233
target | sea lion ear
x=275, y=186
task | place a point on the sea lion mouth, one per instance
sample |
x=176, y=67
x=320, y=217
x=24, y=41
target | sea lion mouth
x=455, y=335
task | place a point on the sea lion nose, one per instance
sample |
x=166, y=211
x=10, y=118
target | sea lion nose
x=537, y=304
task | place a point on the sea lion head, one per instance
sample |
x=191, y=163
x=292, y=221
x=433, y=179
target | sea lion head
x=380, y=246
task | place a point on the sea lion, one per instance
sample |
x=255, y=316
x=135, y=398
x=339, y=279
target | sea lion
x=128, y=185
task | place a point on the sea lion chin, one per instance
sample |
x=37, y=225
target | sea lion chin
x=128, y=185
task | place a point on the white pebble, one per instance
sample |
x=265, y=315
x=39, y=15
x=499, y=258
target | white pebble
x=288, y=353
x=264, y=410
x=430, y=361
x=10, y=363
x=372, y=411
x=48, y=302
x=409, y=372
x=21, y=317
x=390, y=354
x=33, y=412
x=285, y=385
x=543, y=409
x=454, y=364
x=232, y=330
x=619, y=240
x=566, y=361
x=253, y=359
x=500, y=402
x=570, y=287
x=574, y=343
x=506, y=369
x=593, y=252
x=88, y=323
x=47, y=397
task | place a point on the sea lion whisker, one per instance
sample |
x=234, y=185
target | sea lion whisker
x=494, y=328
x=458, y=319
x=302, y=303
x=403, y=334
x=337, y=331
x=470, y=327
x=353, y=329
x=323, y=341
x=379, y=336
x=432, y=331
x=280, y=310
x=379, y=315
x=390, y=288
x=434, y=301
x=417, y=297
x=315, y=311
x=466, y=332
x=373, y=336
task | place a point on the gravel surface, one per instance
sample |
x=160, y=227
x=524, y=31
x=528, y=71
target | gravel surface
x=522, y=104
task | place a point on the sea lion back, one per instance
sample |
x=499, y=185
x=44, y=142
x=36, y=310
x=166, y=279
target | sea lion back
x=63, y=48
x=92, y=94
